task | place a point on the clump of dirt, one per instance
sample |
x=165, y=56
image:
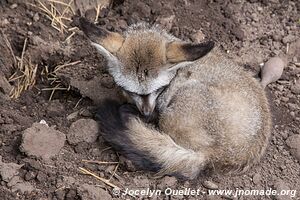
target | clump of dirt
x=83, y=130
x=42, y=141
x=72, y=79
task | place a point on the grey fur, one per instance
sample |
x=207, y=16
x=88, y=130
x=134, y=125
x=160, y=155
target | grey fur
x=212, y=115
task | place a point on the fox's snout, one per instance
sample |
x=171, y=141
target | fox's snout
x=145, y=107
x=144, y=103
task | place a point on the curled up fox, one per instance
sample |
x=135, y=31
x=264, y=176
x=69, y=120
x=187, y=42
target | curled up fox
x=210, y=114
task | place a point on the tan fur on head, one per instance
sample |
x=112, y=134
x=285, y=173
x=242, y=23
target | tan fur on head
x=175, y=53
x=112, y=42
x=148, y=51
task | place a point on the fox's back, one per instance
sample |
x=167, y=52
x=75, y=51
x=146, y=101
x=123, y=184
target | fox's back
x=216, y=106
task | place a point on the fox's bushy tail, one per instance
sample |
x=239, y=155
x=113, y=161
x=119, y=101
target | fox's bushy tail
x=146, y=147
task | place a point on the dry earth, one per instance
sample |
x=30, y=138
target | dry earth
x=48, y=132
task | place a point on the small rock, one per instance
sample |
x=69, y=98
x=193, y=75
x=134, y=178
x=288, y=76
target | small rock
x=72, y=115
x=293, y=114
x=96, y=152
x=254, y=17
x=83, y=130
x=23, y=187
x=240, y=34
x=143, y=8
x=82, y=147
x=103, y=13
x=282, y=167
x=36, y=17
x=29, y=175
x=294, y=50
x=41, y=176
x=141, y=182
x=68, y=180
x=33, y=163
x=9, y=170
x=259, y=8
x=166, y=22
x=123, y=24
x=287, y=39
x=87, y=192
x=293, y=106
x=85, y=113
x=210, y=185
x=110, y=27
x=60, y=194
x=37, y=40
x=42, y=141
x=4, y=22
x=279, y=185
x=198, y=36
x=296, y=87
x=284, y=134
x=294, y=143
x=55, y=108
x=295, y=72
x=128, y=164
x=284, y=99
x=167, y=182
x=14, y=181
x=276, y=37
x=272, y=70
x=71, y=194
x=280, y=87
x=13, y=6
x=256, y=179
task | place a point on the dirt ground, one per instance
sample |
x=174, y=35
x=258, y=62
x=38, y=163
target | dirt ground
x=47, y=132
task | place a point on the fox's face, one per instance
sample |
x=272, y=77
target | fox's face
x=143, y=60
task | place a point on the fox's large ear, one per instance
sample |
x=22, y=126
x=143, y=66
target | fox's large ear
x=180, y=51
x=112, y=42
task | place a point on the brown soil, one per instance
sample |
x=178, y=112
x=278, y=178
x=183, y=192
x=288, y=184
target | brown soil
x=249, y=32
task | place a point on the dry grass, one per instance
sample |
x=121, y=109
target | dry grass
x=9, y=47
x=25, y=76
x=106, y=181
x=54, y=80
x=60, y=13
x=58, y=17
x=99, y=162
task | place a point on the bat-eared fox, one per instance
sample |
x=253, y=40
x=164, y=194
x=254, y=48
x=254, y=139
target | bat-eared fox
x=211, y=114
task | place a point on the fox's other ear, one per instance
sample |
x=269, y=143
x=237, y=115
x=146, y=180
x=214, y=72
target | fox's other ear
x=112, y=42
x=179, y=51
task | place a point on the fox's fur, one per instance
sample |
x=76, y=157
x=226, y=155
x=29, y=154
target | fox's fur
x=211, y=113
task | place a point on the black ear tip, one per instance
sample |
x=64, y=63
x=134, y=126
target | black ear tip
x=195, y=51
